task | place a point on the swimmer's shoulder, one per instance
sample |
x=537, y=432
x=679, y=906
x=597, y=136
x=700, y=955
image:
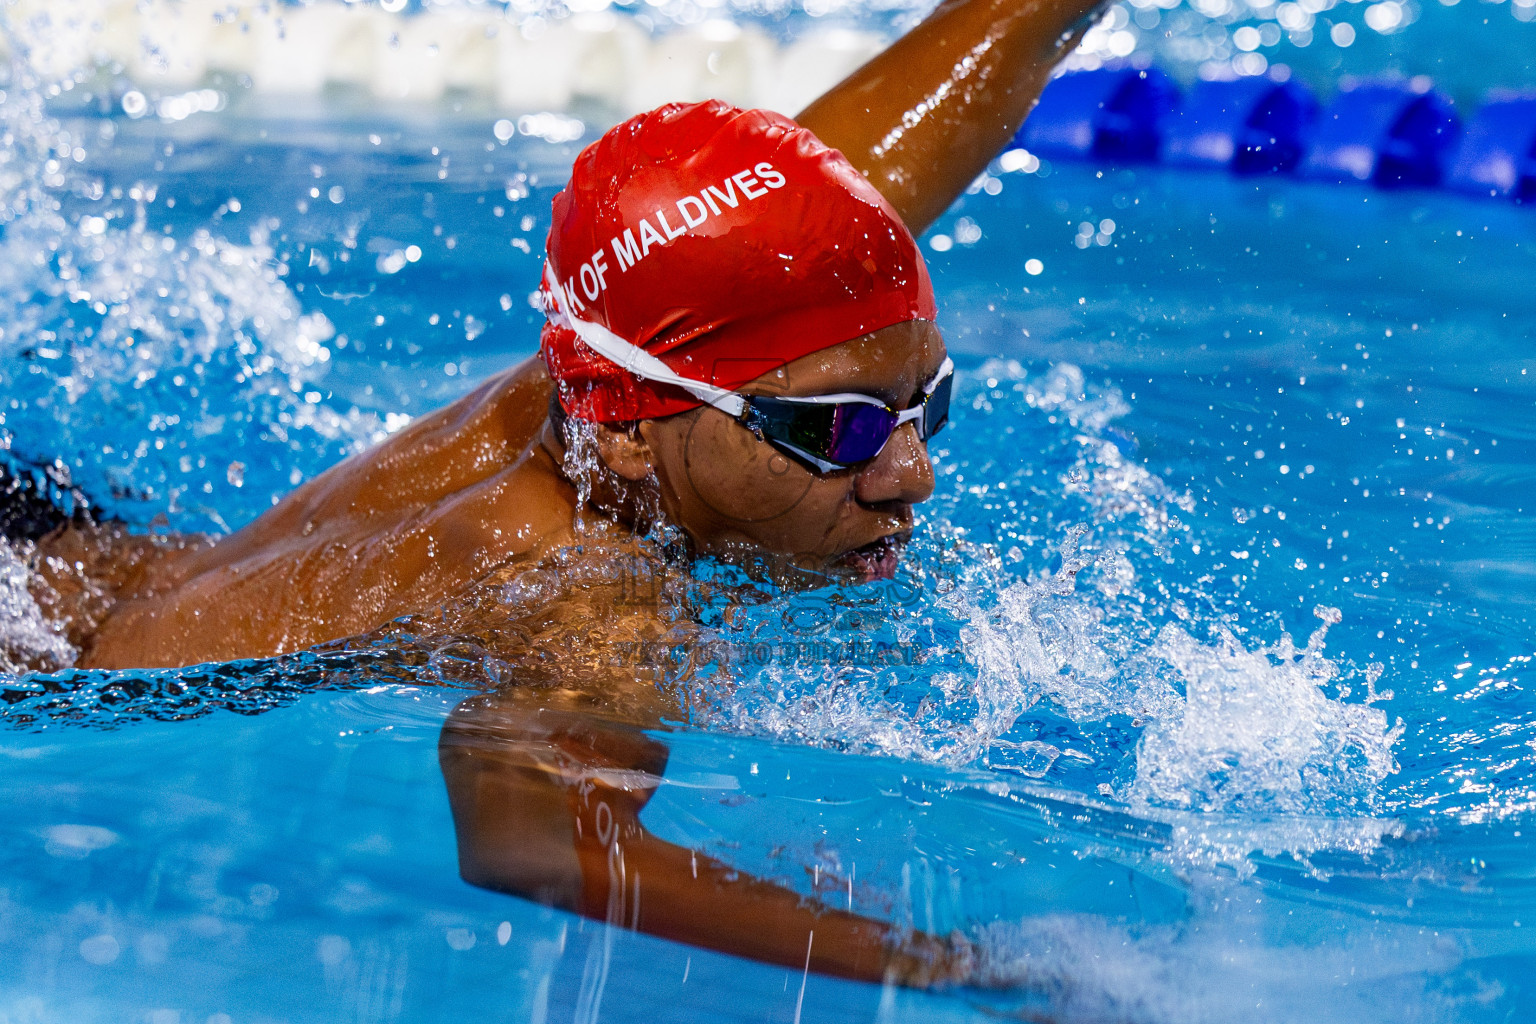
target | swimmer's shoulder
x=393, y=530
x=444, y=452
x=405, y=476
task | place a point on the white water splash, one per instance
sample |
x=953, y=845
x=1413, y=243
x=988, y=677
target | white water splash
x=1041, y=640
x=27, y=639
x=148, y=303
x=171, y=337
x=1237, y=745
x=1084, y=969
x=1257, y=731
x=1227, y=728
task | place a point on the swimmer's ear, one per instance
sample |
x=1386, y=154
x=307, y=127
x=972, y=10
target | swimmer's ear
x=624, y=451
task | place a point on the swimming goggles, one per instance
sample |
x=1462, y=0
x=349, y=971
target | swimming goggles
x=824, y=432
x=832, y=432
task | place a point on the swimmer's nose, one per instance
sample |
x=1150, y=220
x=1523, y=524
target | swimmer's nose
x=900, y=473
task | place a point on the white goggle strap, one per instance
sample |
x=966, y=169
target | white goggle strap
x=634, y=358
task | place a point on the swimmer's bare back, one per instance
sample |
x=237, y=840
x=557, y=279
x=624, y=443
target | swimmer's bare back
x=391, y=531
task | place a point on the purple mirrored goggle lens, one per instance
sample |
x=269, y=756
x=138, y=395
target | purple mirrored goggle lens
x=858, y=432
x=829, y=435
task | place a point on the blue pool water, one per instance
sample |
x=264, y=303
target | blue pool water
x=1114, y=742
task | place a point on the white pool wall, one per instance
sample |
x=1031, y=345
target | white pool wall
x=520, y=63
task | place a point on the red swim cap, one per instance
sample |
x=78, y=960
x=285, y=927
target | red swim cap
x=727, y=243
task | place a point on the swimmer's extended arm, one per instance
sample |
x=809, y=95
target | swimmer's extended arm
x=923, y=118
x=546, y=805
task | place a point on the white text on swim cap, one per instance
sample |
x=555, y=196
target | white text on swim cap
x=589, y=281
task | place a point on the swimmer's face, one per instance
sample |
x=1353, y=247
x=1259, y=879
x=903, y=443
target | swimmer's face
x=736, y=495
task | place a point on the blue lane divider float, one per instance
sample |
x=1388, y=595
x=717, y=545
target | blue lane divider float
x=1387, y=133
x=1250, y=126
x=1498, y=153
x=1383, y=132
x=1107, y=115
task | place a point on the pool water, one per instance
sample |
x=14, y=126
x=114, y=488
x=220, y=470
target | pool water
x=1203, y=695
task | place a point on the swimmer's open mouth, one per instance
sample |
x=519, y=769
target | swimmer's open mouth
x=876, y=560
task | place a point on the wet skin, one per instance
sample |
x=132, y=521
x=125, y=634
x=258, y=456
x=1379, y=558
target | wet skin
x=412, y=522
x=369, y=541
x=547, y=782
x=734, y=493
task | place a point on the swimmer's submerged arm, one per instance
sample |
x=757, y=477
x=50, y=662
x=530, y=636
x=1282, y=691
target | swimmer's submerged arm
x=546, y=805
x=923, y=118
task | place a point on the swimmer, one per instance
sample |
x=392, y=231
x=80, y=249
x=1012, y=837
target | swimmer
x=741, y=343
